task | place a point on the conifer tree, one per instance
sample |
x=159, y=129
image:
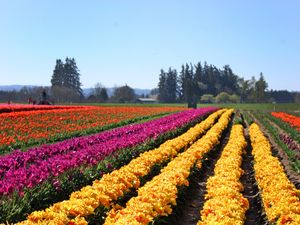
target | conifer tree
x=58, y=74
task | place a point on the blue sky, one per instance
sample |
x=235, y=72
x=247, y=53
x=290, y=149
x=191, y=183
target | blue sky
x=118, y=42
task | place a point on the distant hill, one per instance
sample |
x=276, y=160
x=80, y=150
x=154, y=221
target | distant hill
x=14, y=87
x=86, y=91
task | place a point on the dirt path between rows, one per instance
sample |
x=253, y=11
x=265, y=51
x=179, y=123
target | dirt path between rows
x=191, y=202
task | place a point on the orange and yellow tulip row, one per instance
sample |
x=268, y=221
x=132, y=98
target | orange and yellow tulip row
x=114, y=185
x=279, y=195
x=224, y=202
x=157, y=196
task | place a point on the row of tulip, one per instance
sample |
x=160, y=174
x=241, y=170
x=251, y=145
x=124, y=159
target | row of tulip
x=23, y=129
x=280, y=197
x=111, y=186
x=6, y=108
x=290, y=142
x=294, y=121
x=266, y=120
x=27, y=169
x=157, y=197
x=224, y=202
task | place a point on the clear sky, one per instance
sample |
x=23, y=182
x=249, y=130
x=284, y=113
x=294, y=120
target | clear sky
x=117, y=42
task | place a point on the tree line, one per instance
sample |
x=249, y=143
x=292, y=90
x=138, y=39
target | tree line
x=207, y=84
x=192, y=84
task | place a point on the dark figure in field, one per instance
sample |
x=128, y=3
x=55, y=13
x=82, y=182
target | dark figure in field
x=44, y=100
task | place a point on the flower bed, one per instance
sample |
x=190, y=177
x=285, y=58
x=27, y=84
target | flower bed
x=111, y=186
x=224, y=202
x=294, y=121
x=279, y=195
x=157, y=197
x=7, y=108
x=27, y=169
x=27, y=128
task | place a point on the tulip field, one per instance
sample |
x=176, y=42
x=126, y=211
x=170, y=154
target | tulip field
x=26, y=126
x=139, y=165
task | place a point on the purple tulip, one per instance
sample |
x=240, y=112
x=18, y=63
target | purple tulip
x=28, y=169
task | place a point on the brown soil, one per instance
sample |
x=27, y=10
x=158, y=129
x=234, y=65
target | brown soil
x=190, y=204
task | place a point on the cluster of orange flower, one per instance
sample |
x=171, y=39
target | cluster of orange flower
x=114, y=185
x=280, y=197
x=294, y=121
x=157, y=197
x=25, y=126
x=224, y=202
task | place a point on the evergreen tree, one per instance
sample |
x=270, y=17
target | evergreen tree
x=261, y=86
x=253, y=93
x=103, y=96
x=100, y=93
x=244, y=89
x=58, y=74
x=198, y=80
x=65, y=81
x=189, y=86
x=181, y=84
x=162, y=93
x=72, y=76
x=171, y=86
x=124, y=94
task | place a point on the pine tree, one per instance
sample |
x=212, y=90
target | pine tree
x=181, y=84
x=162, y=86
x=198, y=80
x=100, y=93
x=72, y=76
x=171, y=86
x=261, y=86
x=124, y=94
x=65, y=81
x=58, y=74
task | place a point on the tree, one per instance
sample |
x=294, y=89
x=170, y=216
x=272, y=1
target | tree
x=261, y=86
x=223, y=97
x=234, y=98
x=244, y=89
x=72, y=76
x=66, y=80
x=64, y=94
x=187, y=85
x=162, y=93
x=100, y=93
x=253, y=93
x=124, y=94
x=199, y=86
x=207, y=98
x=58, y=74
x=171, y=86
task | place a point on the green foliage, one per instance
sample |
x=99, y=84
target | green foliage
x=196, y=80
x=207, y=98
x=99, y=94
x=65, y=81
x=167, y=86
x=123, y=94
x=223, y=97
